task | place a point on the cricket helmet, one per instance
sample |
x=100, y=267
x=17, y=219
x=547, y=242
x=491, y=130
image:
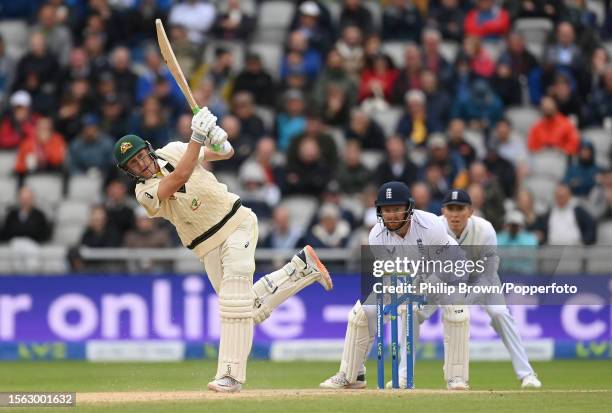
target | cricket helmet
x=394, y=193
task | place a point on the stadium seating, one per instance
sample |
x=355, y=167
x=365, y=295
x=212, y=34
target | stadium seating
x=535, y=31
x=376, y=11
x=53, y=259
x=85, y=188
x=604, y=234
x=388, y=119
x=477, y=140
x=449, y=50
x=522, y=118
x=597, y=6
x=7, y=163
x=542, y=188
x=549, y=163
x=494, y=48
x=67, y=235
x=602, y=142
x=339, y=139
x=395, y=50
x=273, y=20
x=371, y=158
x=47, y=188
x=271, y=55
x=8, y=189
x=15, y=36
x=301, y=209
x=72, y=213
x=267, y=116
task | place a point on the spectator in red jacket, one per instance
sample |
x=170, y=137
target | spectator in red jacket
x=477, y=57
x=379, y=79
x=487, y=20
x=19, y=122
x=44, y=150
x=554, y=130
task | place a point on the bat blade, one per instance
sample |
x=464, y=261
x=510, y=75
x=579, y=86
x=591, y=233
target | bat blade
x=173, y=66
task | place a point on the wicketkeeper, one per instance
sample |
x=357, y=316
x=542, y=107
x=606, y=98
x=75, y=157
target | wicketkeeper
x=399, y=224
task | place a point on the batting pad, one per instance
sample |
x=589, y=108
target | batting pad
x=356, y=343
x=273, y=289
x=456, y=322
x=236, y=310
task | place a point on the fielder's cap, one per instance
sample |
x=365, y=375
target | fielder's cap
x=515, y=218
x=21, y=98
x=456, y=197
x=437, y=140
x=310, y=8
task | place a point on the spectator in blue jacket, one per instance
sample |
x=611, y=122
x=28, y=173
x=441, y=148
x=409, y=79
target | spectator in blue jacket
x=92, y=149
x=481, y=109
x=582, y=172
x=291, y=121
x=300, y=56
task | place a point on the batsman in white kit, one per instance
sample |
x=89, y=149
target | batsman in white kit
x=399, y=224
x=210, y=221
x=477, y=234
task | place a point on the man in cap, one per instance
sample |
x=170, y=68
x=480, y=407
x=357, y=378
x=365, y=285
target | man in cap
x=478, y=235
x=211, y=221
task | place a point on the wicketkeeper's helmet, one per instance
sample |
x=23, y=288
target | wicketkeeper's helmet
x=394, y=193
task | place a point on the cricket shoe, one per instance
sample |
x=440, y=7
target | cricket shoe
x=225, y=384
x=311, y=266
x=531, y=381
x=457, y=383
x=402, y=384
x=339, y=381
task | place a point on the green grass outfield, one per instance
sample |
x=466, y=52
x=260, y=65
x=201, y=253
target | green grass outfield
x=569, y=386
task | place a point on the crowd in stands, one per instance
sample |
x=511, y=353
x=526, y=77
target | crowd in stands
x=361, y=92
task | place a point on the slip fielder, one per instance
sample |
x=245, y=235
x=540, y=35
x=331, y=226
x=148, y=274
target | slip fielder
x=478, y=234
x=399, y=224
x=210, y=221
x=479, y=238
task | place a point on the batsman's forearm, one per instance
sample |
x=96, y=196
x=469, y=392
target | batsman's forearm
x=188, y=161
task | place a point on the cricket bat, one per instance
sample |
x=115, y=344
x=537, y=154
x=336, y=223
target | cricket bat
x=174, y=68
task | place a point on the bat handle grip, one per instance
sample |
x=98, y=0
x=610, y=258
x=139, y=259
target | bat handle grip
x=216, y=147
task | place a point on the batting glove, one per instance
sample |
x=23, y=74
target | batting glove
x=201, y=125
x=217, y=136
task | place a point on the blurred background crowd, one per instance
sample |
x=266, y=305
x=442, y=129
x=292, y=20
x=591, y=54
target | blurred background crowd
x=323, y=101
